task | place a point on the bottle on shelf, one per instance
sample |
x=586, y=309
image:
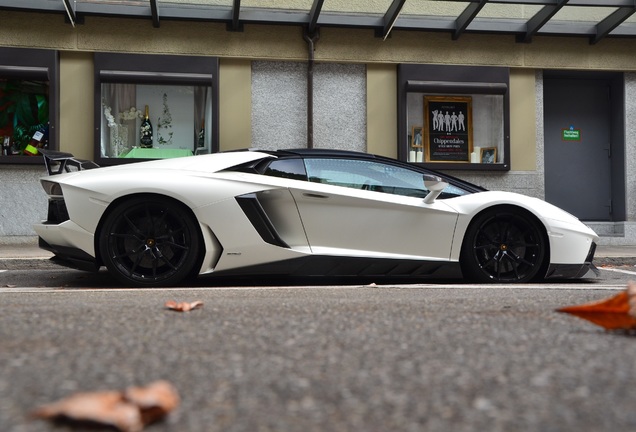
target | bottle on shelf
x=6, y=146
x=36, y=142
x=145, y=132
x=201, y=136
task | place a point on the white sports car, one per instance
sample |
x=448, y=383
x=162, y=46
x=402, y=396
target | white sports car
x=300, y=213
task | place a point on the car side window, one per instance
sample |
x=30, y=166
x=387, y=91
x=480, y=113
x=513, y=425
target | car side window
x=368, y=175
x=286, y=168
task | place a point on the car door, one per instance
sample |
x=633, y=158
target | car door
x=373, y=209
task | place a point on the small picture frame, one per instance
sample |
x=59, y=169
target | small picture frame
x=488, y=155
x=417, y=136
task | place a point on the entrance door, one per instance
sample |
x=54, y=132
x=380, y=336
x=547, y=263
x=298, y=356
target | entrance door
x=577, y=147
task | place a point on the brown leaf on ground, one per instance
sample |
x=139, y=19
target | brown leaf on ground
x=128, y=411
x=614, y=313
x=154, y=401
x=183, y=306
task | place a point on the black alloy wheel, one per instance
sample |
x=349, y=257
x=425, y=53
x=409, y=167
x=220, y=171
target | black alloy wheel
x=151, y=241
x=504, y=245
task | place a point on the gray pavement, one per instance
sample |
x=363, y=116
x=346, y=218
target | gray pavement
x=319, y=358
x=384, y=358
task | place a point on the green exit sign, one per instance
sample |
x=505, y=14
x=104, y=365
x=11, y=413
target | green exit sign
x=571, y=135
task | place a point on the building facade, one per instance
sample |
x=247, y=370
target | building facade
x=548, y=114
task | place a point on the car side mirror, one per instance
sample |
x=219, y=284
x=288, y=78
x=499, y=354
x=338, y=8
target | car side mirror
x=435, y=185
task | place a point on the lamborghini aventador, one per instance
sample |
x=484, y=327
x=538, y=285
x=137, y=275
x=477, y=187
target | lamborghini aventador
x=300, y=213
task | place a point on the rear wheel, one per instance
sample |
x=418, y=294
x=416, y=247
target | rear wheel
x=504, y=245
x=151, y=241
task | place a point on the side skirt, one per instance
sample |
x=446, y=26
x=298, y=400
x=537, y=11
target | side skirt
x=330, y=266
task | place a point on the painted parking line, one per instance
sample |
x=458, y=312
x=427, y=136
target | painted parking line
x=629, y=272
x=114, y=290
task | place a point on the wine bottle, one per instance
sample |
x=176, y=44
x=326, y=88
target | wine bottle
x=6, y=146
x=145, y=139
x=201, y=136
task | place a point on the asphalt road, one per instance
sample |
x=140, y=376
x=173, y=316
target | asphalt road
x=451, y=357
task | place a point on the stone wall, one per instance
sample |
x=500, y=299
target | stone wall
x=22, y=202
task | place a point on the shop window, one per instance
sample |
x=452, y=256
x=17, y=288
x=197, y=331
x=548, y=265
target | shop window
x=454, y=117
x=28, y=95
x=155, y=107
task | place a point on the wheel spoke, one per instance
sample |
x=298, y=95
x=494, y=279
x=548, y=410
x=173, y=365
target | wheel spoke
x=125, y=254
x=156, y=224
x=136, y=263
x=506, y=231
x=499, y=267
x=492, y=260
x=133, y=226
x=163, y=258
x=175, y=245
x=486, y=247
x=513, y=264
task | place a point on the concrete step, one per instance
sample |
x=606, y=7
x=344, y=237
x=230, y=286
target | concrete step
x=607, y=229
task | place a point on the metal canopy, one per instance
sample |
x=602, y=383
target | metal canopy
x=552, y=17
x=466, y=17
x=540, y=19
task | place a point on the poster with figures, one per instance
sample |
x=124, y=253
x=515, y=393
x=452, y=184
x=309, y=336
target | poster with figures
x=448, y=127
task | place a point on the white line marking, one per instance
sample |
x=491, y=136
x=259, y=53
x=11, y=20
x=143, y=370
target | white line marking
x=590, y=287
x=25, y=258
x=619, y=270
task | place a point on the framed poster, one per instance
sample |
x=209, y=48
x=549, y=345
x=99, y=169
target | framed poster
x=448, y=131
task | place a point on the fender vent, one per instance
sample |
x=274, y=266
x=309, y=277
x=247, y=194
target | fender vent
x=256, y=214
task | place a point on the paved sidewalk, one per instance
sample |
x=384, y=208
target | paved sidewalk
x=21, y=251
x=616, y=252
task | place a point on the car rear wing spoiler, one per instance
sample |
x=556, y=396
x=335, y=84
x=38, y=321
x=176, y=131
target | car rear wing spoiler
x=57, y=162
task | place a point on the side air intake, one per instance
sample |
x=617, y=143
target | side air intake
x=256, y=214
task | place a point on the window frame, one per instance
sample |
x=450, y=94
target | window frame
x=150, y=69
x=453, y=81
x=36, y=64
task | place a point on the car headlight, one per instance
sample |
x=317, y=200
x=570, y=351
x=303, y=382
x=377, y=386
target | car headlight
x=52, y=188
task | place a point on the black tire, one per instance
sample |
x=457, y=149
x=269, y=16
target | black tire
x=504, y=245
x=149, y=242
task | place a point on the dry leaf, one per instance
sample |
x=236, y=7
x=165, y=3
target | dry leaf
x=108, y=408
x=128, y=411
x=614, y=313
x=183, y=306
x=154, y=401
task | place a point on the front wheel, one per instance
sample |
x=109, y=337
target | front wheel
x=149, y=242
x=504, y=245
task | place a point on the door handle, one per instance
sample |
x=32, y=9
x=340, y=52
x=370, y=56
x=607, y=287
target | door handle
x=314, y=195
